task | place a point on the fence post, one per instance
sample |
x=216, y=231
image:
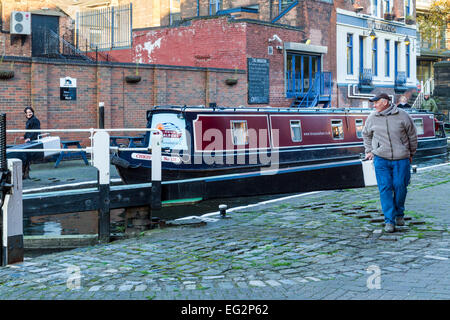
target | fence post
x=11, y=229
x=155, y=141
x=102, y=162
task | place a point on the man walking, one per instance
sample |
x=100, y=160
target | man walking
x=390, y=139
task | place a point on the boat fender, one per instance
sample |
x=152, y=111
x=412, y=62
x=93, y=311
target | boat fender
x=115, y=160
x=118, y=161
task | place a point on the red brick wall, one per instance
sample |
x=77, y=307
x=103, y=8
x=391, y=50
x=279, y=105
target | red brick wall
x=212, y=43
x=257, y=44
x=37, y=84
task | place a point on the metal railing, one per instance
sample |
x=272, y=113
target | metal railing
x=104, y=29
x=365, y=77
x=400, y=78
x=427, y=88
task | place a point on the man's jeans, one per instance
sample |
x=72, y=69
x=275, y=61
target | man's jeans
x=392, y=178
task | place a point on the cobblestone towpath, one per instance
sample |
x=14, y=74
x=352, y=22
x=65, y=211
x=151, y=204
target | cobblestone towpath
x=322, y=245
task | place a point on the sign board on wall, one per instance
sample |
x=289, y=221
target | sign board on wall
x=258, y=80
x=68, y=88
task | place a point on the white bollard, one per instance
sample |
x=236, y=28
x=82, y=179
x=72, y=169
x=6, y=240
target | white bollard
x=12, y=233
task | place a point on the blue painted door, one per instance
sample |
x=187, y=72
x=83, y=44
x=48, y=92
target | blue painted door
x=300, y=72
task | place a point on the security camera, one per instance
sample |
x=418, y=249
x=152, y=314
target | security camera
x=275, y=37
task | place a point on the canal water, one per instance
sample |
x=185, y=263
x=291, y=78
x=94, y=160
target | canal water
x=86, y=223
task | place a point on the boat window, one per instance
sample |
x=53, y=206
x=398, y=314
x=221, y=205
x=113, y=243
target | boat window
x=359, y=124
x=419, y=125
x=240, y=132
x=337, y=129
x=296, y=131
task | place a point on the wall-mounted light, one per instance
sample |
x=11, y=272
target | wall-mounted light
x=307, y=41
x=372, y=35
x=407, y=41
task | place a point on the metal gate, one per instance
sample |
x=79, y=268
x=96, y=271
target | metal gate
x=104, y=29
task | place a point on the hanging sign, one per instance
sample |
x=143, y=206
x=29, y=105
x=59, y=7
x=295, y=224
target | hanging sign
x=68, y=88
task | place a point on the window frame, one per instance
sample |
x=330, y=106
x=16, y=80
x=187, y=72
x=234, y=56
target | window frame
x=375, y=57
x=408, y=60
x=359, y=136
x=297, y=126
x=340, y=124
x=233, y=130
x=350, y=50
x=422, y=130
x=216, y=5
x=387, y=57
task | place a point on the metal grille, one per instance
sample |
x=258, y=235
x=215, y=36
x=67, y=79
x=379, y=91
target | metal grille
x=104, y=29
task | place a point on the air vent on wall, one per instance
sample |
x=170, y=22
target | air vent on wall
x=20, y=22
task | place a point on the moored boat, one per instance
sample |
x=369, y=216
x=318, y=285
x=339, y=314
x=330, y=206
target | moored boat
x=200, y=141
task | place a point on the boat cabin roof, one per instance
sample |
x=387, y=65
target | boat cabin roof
x=268, y=109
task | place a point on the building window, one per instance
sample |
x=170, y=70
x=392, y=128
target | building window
x=408, y=7
x=240, y=132
x=375, y=8
x=361, y=54
x=337, y=129
x=387, y=6
x=375, y=57
x=387, y=58
x=419, y=126
x=359, y=125
x=349, y=53
x=174, y=11
x=296, y=131
x=214, y=6
x=408, y=61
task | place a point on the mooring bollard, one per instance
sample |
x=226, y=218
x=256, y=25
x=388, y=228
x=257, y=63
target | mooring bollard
x=414, y=169
x=223, y=210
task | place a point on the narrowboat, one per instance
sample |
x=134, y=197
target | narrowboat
x=201, y=142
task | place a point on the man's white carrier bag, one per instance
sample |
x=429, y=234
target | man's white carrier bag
x=369, y=173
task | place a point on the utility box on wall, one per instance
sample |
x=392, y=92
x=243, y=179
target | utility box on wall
x=20, y=22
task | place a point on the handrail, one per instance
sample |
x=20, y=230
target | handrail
x=424, y=89
x=285, y=11
x=312, y=87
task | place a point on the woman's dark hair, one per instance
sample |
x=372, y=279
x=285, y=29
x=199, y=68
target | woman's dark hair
x=28, y=108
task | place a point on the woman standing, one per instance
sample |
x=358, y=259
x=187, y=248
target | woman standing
x=32, y=123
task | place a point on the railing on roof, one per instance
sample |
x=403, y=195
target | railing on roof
x=105, y=29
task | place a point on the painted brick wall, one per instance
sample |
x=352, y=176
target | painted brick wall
x=212, y=43
x=36, y=83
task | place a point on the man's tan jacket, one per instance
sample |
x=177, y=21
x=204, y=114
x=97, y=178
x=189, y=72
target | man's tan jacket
x=390, y=134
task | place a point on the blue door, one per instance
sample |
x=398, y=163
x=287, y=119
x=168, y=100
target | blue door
x=300, y=72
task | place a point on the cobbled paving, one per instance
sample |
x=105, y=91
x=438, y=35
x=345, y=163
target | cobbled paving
x=325, y=245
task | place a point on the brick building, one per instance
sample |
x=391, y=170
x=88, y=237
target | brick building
x=367, y=47
x=319, y=48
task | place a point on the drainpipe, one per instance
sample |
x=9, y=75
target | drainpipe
x=198, y=8
x=361, y=95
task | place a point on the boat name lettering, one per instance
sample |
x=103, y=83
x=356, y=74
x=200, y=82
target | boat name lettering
x=143, y=156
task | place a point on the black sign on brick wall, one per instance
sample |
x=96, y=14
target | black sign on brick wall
x=258, y=80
